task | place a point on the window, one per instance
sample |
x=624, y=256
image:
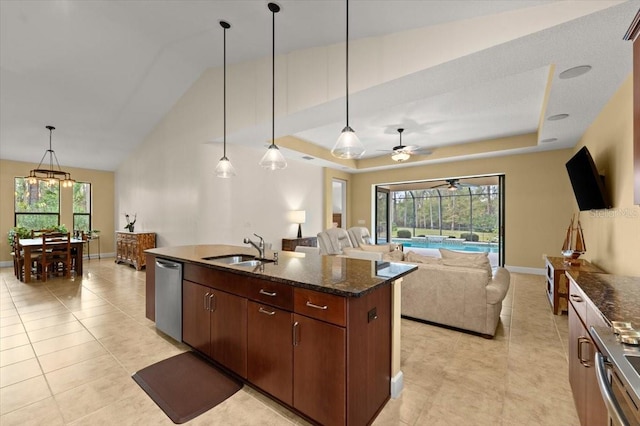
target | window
x=37, y=205
x=82, y=206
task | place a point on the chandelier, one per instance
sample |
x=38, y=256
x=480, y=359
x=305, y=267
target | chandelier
x=50, y=175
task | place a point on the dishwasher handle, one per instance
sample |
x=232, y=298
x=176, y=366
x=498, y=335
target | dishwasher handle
x=615, y=412
x=167, y=265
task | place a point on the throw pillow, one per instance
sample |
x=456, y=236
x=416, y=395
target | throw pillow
x=393, y=256
x=414, y=257
x=474, y=260
x=375, y=248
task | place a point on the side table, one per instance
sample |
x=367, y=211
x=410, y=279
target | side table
x=290, y=244
x=557, y=284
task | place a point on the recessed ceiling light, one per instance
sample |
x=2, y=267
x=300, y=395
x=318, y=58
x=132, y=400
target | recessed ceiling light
x=575, y=71
x=549, y=140
x=557, y=117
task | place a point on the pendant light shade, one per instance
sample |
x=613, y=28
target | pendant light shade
x=273, y=158
x=224, y=169
x=348, y=145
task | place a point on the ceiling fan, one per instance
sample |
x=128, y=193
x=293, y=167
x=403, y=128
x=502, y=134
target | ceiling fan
x=402, y=152
x=452, y=185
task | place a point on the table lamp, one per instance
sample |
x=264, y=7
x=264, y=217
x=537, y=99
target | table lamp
x=299, y=217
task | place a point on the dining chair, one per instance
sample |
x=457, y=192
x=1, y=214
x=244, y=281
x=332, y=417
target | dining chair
x=18, y=259
x=56, y=254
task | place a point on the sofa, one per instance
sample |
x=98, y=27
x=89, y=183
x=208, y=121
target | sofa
x=354, y=242
x=458, y=290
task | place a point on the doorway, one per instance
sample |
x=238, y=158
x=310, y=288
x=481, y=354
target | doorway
x=339, y=203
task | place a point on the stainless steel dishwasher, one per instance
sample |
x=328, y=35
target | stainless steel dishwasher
x=169, y=298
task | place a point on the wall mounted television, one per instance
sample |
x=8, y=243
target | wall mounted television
x=588, y=185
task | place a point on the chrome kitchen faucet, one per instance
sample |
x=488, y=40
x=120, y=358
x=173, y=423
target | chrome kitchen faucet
x=259, y=247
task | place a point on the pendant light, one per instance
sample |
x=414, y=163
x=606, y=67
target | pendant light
x=273, y=158
x=348, y=145
x=224, y=169
x=50, y=176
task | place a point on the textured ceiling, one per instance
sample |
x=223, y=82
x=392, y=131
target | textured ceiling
x=105, y=72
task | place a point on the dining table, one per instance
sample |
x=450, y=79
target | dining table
x=30, y=245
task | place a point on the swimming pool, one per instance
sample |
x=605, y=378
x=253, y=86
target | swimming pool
x=447, y=243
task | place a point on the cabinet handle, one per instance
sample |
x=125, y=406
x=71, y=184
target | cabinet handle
x=264, y=311
x=581, y=341
x=294, y=330
x=205, y=300
x=212, y=297
x=266, y=293
x=576, y=298
x=311, y=305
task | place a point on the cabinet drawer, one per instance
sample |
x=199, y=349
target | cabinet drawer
x=221, y=280
x=322, y=306
x=578, y=300
x=271, y=293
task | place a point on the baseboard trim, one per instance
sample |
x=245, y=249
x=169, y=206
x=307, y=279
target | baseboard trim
x=397, y=384
x=525, y=270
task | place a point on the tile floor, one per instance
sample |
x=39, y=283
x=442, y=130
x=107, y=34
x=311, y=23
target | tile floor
x=68, y=349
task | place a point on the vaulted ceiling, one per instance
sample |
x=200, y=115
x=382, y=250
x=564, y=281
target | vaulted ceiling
x=105, y=72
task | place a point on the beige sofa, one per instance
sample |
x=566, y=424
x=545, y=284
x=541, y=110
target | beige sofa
x=458, y=290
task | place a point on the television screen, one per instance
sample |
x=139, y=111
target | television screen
x=588, y=185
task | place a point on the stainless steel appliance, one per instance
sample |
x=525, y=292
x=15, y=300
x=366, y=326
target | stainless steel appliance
x=169, y=298
x=618, y=373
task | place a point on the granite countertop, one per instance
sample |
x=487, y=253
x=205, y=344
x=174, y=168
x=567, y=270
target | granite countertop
x=617, y=297
x=330, y=274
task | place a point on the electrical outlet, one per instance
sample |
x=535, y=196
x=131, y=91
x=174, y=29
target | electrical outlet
x=361, y=222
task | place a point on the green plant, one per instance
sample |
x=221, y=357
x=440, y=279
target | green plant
x=20, y=230
x=404, y=233
x=470, y=236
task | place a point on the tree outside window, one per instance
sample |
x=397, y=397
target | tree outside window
x=37, y=205
x=82, y=206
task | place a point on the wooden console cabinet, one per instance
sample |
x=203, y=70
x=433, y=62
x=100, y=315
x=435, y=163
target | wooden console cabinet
x=557, y=285
x=130, y=247
x=290, y=244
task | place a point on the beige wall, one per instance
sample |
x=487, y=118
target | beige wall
x=613, y=235
x=102, y=184
x=539, y=201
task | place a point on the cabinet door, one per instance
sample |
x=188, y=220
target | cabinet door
x=319, y=370
x=195, y=316
x=270, y=350
x=229, y=331
x=596, y=411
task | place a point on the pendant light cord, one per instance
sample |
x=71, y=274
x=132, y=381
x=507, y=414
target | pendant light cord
x=273, y=78
x=224, y=92
x=347, y=63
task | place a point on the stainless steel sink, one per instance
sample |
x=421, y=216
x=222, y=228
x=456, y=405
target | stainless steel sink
x=238, y=260
x=230, y=259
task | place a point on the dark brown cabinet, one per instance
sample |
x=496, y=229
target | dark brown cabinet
x=319, y=370
x=215, y=323
x=270, y=353
x=582, y=376
x=326, y=356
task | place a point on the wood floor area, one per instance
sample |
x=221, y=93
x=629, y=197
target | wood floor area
x=68, y=348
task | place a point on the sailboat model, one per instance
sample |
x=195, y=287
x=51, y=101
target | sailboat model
x=574, y=244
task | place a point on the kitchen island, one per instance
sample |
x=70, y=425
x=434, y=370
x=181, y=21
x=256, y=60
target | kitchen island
x=319, y=334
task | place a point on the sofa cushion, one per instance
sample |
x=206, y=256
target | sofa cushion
x=469, y=260
x=414, y=257
x=393, y=256
x=378, y=249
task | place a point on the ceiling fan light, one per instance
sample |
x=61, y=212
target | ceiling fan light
x=273, y=159
x=348, y=145
x=400, y=156
x=225, y=169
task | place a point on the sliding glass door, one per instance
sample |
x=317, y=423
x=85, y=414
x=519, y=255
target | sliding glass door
x=383, y=224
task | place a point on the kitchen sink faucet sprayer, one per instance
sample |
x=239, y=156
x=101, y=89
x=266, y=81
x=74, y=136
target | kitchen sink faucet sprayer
x=259, y=247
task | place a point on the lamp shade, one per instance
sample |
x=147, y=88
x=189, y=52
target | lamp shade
x=273, y=159
x=348, y=145
x=298, y=216
x=400, y=156
x=225, y=169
